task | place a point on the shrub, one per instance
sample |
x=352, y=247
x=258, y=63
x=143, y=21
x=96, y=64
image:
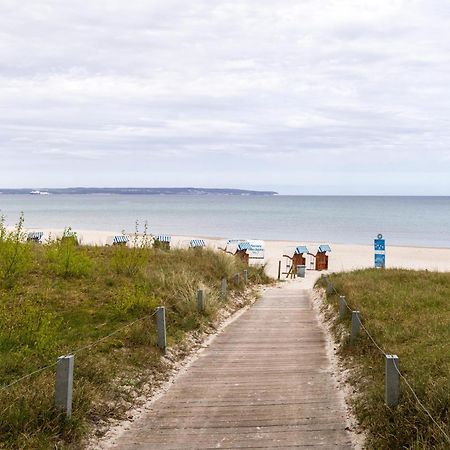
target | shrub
x=15, y=253
x=66, y=258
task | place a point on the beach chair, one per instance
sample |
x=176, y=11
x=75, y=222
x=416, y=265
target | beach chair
x=251, y=251
x=299, y=256
x=35, y=236
x=120, y=239
x=322, y=257
x=242, y=251
x=297, y=259
x=197, y=243
x=162, y=241
x=231, y=246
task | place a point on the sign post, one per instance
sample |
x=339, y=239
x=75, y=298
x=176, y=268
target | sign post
x=379, y=246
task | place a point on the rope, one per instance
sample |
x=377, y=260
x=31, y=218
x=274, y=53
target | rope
x=364, y=328
x=3, y=388
x=370, y=336
x=348, y=307
x=395, y=365
x=93, y=344
x=104, y=338
x=419, y=402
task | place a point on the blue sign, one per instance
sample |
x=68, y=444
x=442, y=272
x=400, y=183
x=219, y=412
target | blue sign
x=379, y=246
x=380, y=261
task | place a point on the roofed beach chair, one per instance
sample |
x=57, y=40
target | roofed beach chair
x=241, y=251
x=231, y=246
x=251, y=251
x=297, y=259
x=162, y=241
x=120, y=239
x=322, y=257
x=197, y=243
x=35, y=236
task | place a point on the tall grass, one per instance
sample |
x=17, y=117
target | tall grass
x=408, y=314
x=64, y=296
x=133, y=259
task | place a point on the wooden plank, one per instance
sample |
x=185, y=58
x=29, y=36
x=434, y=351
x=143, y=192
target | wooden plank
x=264, y=382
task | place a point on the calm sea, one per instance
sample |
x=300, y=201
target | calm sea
x=419, y=221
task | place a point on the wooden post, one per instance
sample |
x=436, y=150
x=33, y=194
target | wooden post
x=223, y=287
x=342, y=306
x=391, y=381
x=245, y=276
x=356, y=325
x=161, y=326
x=200, y=300
x=237, y=279
x=279, y=270
x=64, y=384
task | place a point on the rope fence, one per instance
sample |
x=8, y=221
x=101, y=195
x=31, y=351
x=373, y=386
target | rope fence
x=392, y=385
x=78, y=350
x=65, y=364
x=104, y=338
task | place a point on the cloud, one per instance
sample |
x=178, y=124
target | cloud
x=283, y=87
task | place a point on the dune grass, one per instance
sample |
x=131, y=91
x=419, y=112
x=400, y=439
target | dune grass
x=58, y=297
x=408, y=314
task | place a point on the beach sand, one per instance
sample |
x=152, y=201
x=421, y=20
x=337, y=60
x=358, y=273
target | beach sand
x=343, y=257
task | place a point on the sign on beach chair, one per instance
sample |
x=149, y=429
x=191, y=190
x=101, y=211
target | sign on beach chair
x=35, y=236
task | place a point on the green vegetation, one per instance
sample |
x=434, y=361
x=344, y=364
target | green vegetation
x=58, y=297
x=14, y=256
x=408, y=314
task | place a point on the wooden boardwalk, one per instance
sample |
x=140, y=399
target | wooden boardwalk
x=264, y=382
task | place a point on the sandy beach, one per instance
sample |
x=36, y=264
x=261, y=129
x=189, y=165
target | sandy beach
x=343, y=257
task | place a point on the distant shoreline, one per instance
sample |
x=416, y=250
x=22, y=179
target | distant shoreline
x=135, y=191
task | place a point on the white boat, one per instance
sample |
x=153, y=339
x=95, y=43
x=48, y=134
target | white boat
x=39, y=193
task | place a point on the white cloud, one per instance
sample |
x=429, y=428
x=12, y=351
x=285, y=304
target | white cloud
x=350, y=86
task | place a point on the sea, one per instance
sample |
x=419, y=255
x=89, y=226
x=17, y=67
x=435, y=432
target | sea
x=405, y=221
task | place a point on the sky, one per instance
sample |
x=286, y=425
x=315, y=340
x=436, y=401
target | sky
x=298, y=96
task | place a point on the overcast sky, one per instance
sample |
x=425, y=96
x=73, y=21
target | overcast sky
x=336, y=97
